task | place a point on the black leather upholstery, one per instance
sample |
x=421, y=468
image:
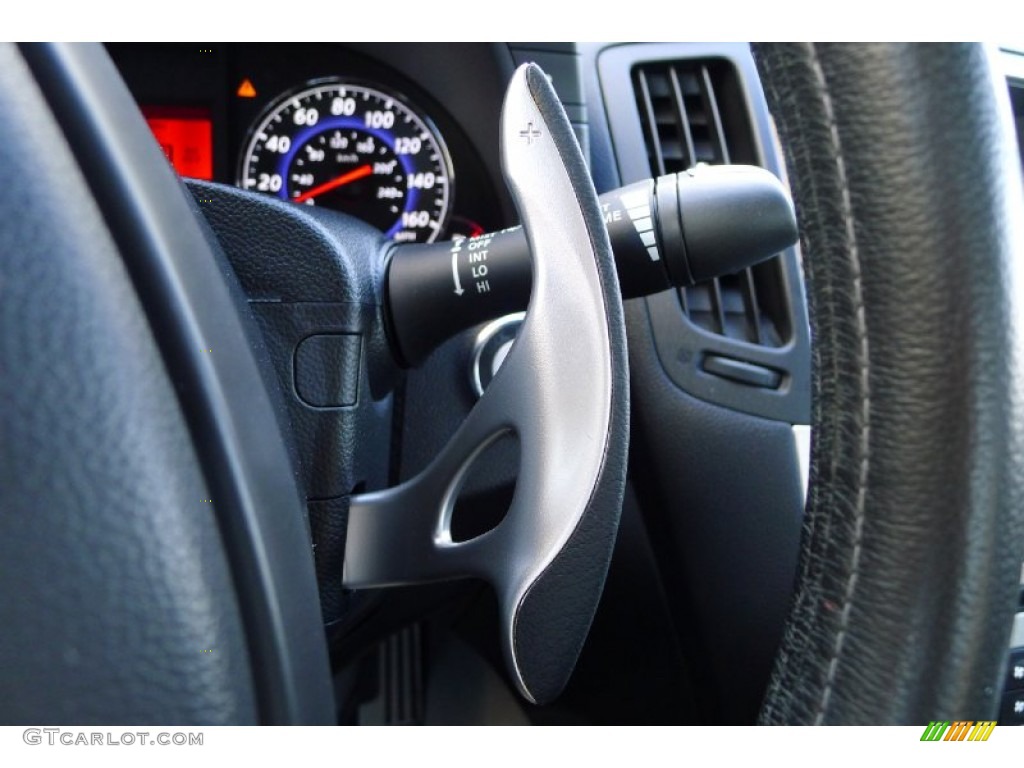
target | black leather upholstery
x=156, y=564
x=116, y=600
x=907, y=191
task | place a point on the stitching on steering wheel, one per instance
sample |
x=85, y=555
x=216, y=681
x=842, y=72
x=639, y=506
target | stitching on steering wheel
x=865, y=404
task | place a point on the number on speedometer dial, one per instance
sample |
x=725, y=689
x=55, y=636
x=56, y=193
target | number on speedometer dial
x=355, y=149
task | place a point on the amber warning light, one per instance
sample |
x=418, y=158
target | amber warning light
x=185, y=134
x=246, y=90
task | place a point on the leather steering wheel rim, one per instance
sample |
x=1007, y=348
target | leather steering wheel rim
x=163, y=573
x=902, y=163
x=115, y=579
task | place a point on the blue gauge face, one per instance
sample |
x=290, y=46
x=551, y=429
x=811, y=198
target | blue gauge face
x=355, y=149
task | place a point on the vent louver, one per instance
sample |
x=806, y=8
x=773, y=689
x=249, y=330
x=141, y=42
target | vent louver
x=694, y=112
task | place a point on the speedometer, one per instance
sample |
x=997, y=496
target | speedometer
x=356, y=149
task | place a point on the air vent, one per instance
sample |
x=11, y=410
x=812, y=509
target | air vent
x=694, y=112
x=1017, y=102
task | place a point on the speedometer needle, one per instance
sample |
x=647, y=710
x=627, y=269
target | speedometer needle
x=346, y=178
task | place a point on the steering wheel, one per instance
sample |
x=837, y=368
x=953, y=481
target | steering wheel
x=911, y=547
x=155, y=559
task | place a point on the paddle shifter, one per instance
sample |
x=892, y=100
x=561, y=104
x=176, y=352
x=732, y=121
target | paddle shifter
x=563, y=389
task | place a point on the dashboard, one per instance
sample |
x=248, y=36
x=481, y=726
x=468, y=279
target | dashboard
x=405, y=137
x=319, y=124
x=400, y=137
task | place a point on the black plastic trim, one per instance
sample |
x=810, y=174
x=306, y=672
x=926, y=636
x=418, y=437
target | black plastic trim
x=744, y=373
x=682, y=344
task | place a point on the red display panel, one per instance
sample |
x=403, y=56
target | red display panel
x=185, y=134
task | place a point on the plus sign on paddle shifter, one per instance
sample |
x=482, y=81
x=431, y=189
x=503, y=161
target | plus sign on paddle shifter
x=530, y=133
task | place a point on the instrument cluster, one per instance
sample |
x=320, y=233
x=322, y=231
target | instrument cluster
x=317, y=125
